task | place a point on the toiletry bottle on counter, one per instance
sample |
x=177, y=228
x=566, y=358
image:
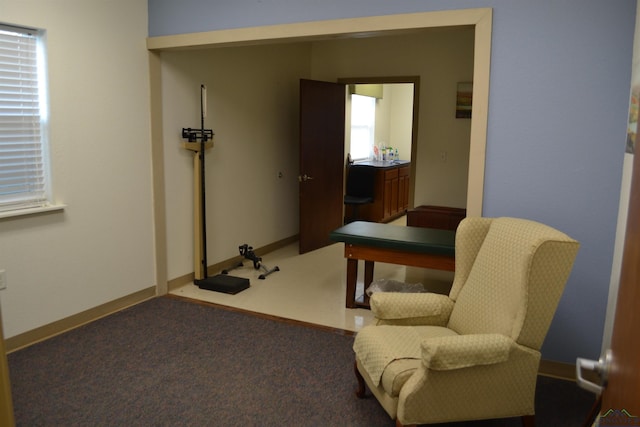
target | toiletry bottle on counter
x=396, y=155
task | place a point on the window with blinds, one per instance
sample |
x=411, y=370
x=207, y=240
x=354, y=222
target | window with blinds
x=24, y=179
x=363, y=123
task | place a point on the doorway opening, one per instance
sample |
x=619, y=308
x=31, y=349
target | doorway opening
x=480, y=19
x=387, y=137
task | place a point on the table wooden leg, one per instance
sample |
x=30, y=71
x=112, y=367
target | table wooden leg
x=352, y=277
x=368, y=278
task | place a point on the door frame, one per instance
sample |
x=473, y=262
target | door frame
x=415, y=80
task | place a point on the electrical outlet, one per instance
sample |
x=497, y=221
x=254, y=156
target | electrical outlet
x=3, y=279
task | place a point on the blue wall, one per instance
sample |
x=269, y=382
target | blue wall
x=558, y=106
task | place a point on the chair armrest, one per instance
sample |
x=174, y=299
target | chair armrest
x=463, y=351
x=411, y=308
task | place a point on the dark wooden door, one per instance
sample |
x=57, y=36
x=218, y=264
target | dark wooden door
x=621, y=397
x=322, y=126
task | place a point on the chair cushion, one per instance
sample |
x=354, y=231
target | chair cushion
x=377, y=346
x=397, y=373
x=494, y=296
x=500, y=291
x=354, y=200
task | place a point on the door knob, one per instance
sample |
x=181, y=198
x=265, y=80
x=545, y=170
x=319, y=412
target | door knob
x=304, y=178
x=601, y=367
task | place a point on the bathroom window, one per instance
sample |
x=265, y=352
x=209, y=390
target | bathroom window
x=363, y=120
x=24, y=177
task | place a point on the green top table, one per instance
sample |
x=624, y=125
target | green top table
x=395, y=244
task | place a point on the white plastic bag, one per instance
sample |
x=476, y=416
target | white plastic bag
x=388, y=285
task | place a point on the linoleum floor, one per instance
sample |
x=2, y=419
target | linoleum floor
x=311, y=287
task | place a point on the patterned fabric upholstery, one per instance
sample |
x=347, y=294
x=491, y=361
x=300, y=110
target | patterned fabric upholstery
x=469, y=238
x=381, y=345
x=464, y=351
x=413, y=309
x=474, y=354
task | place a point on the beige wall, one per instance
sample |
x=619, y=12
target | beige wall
x=101, y=246
x=253, y=110
x=253, y=97
x=441, y=58
x=400, y=118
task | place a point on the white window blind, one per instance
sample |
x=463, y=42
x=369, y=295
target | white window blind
x=23, y=166
x=363, y=121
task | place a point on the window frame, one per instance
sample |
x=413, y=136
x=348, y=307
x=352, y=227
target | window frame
x=25, y=142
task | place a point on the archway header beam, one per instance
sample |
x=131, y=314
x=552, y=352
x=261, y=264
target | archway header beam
x=321, y=30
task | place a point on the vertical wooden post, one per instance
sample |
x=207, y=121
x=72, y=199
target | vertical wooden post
x=198, y=244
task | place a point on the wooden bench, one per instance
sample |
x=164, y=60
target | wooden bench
x=395, y=244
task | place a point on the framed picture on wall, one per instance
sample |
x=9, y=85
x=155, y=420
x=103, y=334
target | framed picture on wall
x=464, y=100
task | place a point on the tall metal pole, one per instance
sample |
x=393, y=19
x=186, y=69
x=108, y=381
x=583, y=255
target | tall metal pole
x=203, y=198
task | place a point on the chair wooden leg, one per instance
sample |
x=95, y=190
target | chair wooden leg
x=528, y=421
x=361, y=392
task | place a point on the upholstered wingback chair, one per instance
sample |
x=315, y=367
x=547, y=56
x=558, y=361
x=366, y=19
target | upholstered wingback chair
x=473, y=354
